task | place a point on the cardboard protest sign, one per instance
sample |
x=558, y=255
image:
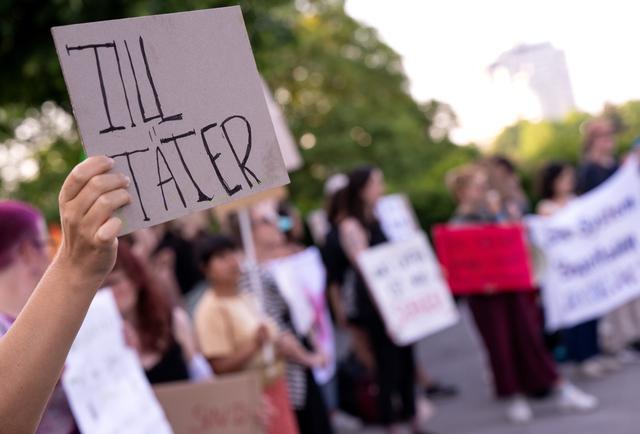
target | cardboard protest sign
x=592, y=251
x=226, y=405
x=481, y=259
x=396, y=216
x=406, y=284
x=104, y=381
x=302, y=280
x=298, y=276
x=177, y=101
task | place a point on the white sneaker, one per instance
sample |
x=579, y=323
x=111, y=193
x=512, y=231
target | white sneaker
x=518, y=410
x=627, y=357
x=609, y=363
x=570, y=398
x=342, y=421
x=591, y=369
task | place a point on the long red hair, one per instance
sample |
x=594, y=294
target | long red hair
x=152, y=308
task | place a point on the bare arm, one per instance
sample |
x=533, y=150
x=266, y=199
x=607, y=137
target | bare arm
x=289, y=347
x=237, y=360
x=234, y=362
x=353, y=239
x=34, y=350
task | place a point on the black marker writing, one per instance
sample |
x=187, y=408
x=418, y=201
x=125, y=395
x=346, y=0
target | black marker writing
x=213, y=158
x=241, y=164
x=100, y=78
x=201, y=196
x=128, y=155
x=162, y=182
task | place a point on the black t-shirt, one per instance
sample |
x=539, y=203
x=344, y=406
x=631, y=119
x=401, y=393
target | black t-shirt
x=590, y=175
x=171, y=367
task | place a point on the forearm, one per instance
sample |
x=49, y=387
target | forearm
x=234, y=362
x=290, y=348
x=34, y=350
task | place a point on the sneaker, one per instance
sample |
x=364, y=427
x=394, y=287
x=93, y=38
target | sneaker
x=518, y=410
x=342, y=421
x=627, y=357
x=609, y=364
x=591, y=369
x=570, y=398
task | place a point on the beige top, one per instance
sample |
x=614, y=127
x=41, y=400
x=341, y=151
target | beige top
x=224, y=324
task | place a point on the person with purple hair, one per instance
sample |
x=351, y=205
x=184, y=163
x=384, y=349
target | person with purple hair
x=42, y=304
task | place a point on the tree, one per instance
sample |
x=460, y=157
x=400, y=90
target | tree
x=343, y=91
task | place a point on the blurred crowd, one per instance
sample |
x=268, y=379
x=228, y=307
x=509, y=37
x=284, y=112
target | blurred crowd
x=198, y=302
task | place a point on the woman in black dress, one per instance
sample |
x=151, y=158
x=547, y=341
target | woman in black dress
x=393, y=366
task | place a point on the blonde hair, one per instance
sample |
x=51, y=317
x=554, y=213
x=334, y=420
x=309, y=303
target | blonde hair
x=458, y=179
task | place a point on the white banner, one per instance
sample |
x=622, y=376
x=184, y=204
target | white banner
x=407, y=286
x=104, y=381
x=302, y=280
x=592, y=251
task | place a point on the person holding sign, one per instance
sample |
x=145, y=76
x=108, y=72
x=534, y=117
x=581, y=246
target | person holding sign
x=506, y=321
x=299, y=351
x=232, y=331
x=557, y=188
x=394, y=367
x=618, y=328
x=34, y=349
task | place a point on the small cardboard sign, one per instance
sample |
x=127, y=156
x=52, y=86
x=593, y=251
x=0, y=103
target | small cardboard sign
x=177, y=101
x=481, y=259
x=226, y=405
x=397, y=217
x=406, y=284
x=103, y=379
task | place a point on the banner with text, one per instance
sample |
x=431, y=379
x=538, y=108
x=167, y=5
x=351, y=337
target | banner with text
x=407, y=286
x=484, y=259
x=177, y=101
x=592, y=251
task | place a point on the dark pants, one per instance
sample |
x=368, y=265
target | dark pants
x=313, y=418
x=582, y=341
x=510, y=330
x=395, y=377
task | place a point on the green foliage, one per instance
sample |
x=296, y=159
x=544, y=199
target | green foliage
x=532, y=144
x=340, y=87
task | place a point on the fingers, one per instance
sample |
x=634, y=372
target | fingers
x=101, y=212
x=95, y=187
x=108, y=232
x=81, y=174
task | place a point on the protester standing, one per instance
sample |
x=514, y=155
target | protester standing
x=306, y=398
x=32, y=356
x=507, y=322
x=233, y=332
x=393, y=366
x=24, y=257
x=598, y=164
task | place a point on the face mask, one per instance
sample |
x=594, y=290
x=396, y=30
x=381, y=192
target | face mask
x=285, y=224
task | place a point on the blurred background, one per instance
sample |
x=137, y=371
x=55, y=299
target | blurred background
x=415, y=87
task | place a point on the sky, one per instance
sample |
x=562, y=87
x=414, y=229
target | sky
x=447, y=45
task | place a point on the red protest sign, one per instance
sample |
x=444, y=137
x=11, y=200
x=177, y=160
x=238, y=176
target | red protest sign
x=482, y=259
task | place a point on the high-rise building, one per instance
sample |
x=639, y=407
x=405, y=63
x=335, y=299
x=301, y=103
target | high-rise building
x=538, y=78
